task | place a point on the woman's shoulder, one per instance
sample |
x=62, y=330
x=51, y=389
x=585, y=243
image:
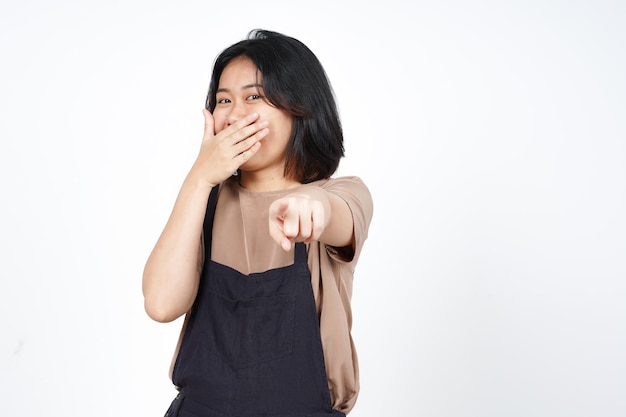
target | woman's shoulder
x=346, y=181
x=353, y=190
x=348, y=185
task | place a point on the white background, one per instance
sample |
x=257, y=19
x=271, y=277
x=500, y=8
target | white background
x=492, y=136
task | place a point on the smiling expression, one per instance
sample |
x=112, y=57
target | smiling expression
x=240, y=93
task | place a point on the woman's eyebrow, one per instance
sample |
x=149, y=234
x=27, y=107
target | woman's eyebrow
x=245, y=87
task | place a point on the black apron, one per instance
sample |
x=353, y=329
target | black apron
x=252, y=345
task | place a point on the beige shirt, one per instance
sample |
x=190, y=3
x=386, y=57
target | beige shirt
x=241, y=241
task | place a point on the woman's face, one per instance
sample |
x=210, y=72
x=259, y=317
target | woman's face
x=240, y=93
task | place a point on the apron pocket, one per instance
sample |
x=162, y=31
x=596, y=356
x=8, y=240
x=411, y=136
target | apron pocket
x=248, y=332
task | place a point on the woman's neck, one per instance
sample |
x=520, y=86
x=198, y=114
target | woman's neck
x=261, y=183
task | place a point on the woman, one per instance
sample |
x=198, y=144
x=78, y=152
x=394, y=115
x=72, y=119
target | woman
x=261, y=245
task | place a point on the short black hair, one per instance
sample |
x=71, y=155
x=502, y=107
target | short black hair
x=295, y=81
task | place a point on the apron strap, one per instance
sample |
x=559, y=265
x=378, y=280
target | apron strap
x=208, y=218
x=301, y=254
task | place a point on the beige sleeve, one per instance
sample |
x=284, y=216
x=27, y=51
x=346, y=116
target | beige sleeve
x=332, y=277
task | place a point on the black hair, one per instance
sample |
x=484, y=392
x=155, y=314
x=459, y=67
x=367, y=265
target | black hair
x=295, y=81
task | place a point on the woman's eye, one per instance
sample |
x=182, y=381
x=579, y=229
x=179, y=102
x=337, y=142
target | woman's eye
x=254, y=97
x=223, y=101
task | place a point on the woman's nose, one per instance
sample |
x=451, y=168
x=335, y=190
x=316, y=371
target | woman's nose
x=236, y=112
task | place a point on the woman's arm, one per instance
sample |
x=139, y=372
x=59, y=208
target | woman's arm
x=172, y=273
